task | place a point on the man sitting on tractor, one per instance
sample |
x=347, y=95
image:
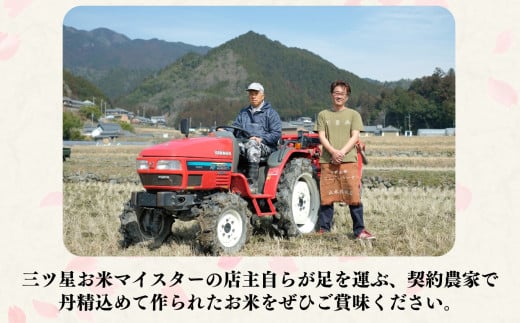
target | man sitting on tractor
x=263, y=124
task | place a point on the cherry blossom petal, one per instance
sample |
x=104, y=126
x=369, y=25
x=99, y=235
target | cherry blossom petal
x=440, y=3
x=52, y=199
x=462, y=197
x=170, y=292
x=503, y=42
x=283, y=264
x=15, y=315
x=8, y=46
x=390, y=2
x=415, y=289
x=45, y=309
x=502, y=92
x=228, y=262
x=15, y=7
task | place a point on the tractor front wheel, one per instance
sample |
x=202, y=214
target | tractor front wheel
x=144, y=224
x=225, y=223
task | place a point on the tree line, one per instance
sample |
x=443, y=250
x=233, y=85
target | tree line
x=429, y=102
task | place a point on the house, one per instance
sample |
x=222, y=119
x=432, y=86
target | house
x=436, y=132
x=119, y=113
x=106, y=130
x=159, y=120
x=371, y=131
x=302, y=121
x=389, y=131
x=87, y=130
x=141, y=120
x=71, y=103
x=379, y=130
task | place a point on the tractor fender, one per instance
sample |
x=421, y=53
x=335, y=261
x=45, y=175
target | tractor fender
x=276, y=164
x=280, y=156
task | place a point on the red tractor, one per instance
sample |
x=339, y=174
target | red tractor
x=203, y=178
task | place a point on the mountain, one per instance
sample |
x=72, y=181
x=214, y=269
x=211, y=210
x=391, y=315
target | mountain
x=210, y=88
x=116, y=63
x=79, y=88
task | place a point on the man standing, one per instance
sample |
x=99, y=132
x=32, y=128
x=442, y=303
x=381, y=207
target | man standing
x=265, y=127
x=339, y=129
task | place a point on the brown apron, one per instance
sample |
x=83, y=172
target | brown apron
x=340, y=183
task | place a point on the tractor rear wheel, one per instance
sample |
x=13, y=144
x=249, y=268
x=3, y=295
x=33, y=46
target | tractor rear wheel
x=225, y=223
x=143, y=224
x=297, y=198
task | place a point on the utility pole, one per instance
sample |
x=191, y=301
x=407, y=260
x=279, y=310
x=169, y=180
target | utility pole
x=409, y=131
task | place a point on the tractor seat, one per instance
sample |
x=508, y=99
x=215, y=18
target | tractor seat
x=238, y=157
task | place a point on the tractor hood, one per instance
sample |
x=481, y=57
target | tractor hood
x=196, y=148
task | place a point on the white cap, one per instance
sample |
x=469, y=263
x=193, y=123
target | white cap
x=255, y=87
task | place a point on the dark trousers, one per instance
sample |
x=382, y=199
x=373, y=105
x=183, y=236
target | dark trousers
x=326, y=217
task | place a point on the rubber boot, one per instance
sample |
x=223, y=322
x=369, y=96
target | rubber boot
x=252, y=177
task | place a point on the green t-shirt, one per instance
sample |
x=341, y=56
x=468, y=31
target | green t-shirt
x=337, y=126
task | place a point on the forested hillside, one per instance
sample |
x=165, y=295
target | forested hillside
x=429, y=102
x=116, y=63
x=210, y=88
x=79, y=88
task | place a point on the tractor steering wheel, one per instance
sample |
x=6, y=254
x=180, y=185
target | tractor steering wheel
x=240, y=132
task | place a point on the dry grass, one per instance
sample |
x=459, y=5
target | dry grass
x=412, y=143
x=411, y=162
x=408, y=221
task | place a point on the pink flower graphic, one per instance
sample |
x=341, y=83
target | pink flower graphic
x=45, y=309
x=228, y=262
x=8, y=46
x=15, y=7
x=52, y=199
x=15, y=315
x=502, y=92
x=440, y=3
x=462, y=197
x=390, y=2
x=416, y=289
x=170, y=292
x=283, y=264
x=503, y=42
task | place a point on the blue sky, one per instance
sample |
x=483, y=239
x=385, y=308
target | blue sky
x=382, y=43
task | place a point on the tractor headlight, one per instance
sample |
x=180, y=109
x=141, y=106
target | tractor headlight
x=168, y=165
x=142, y=164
